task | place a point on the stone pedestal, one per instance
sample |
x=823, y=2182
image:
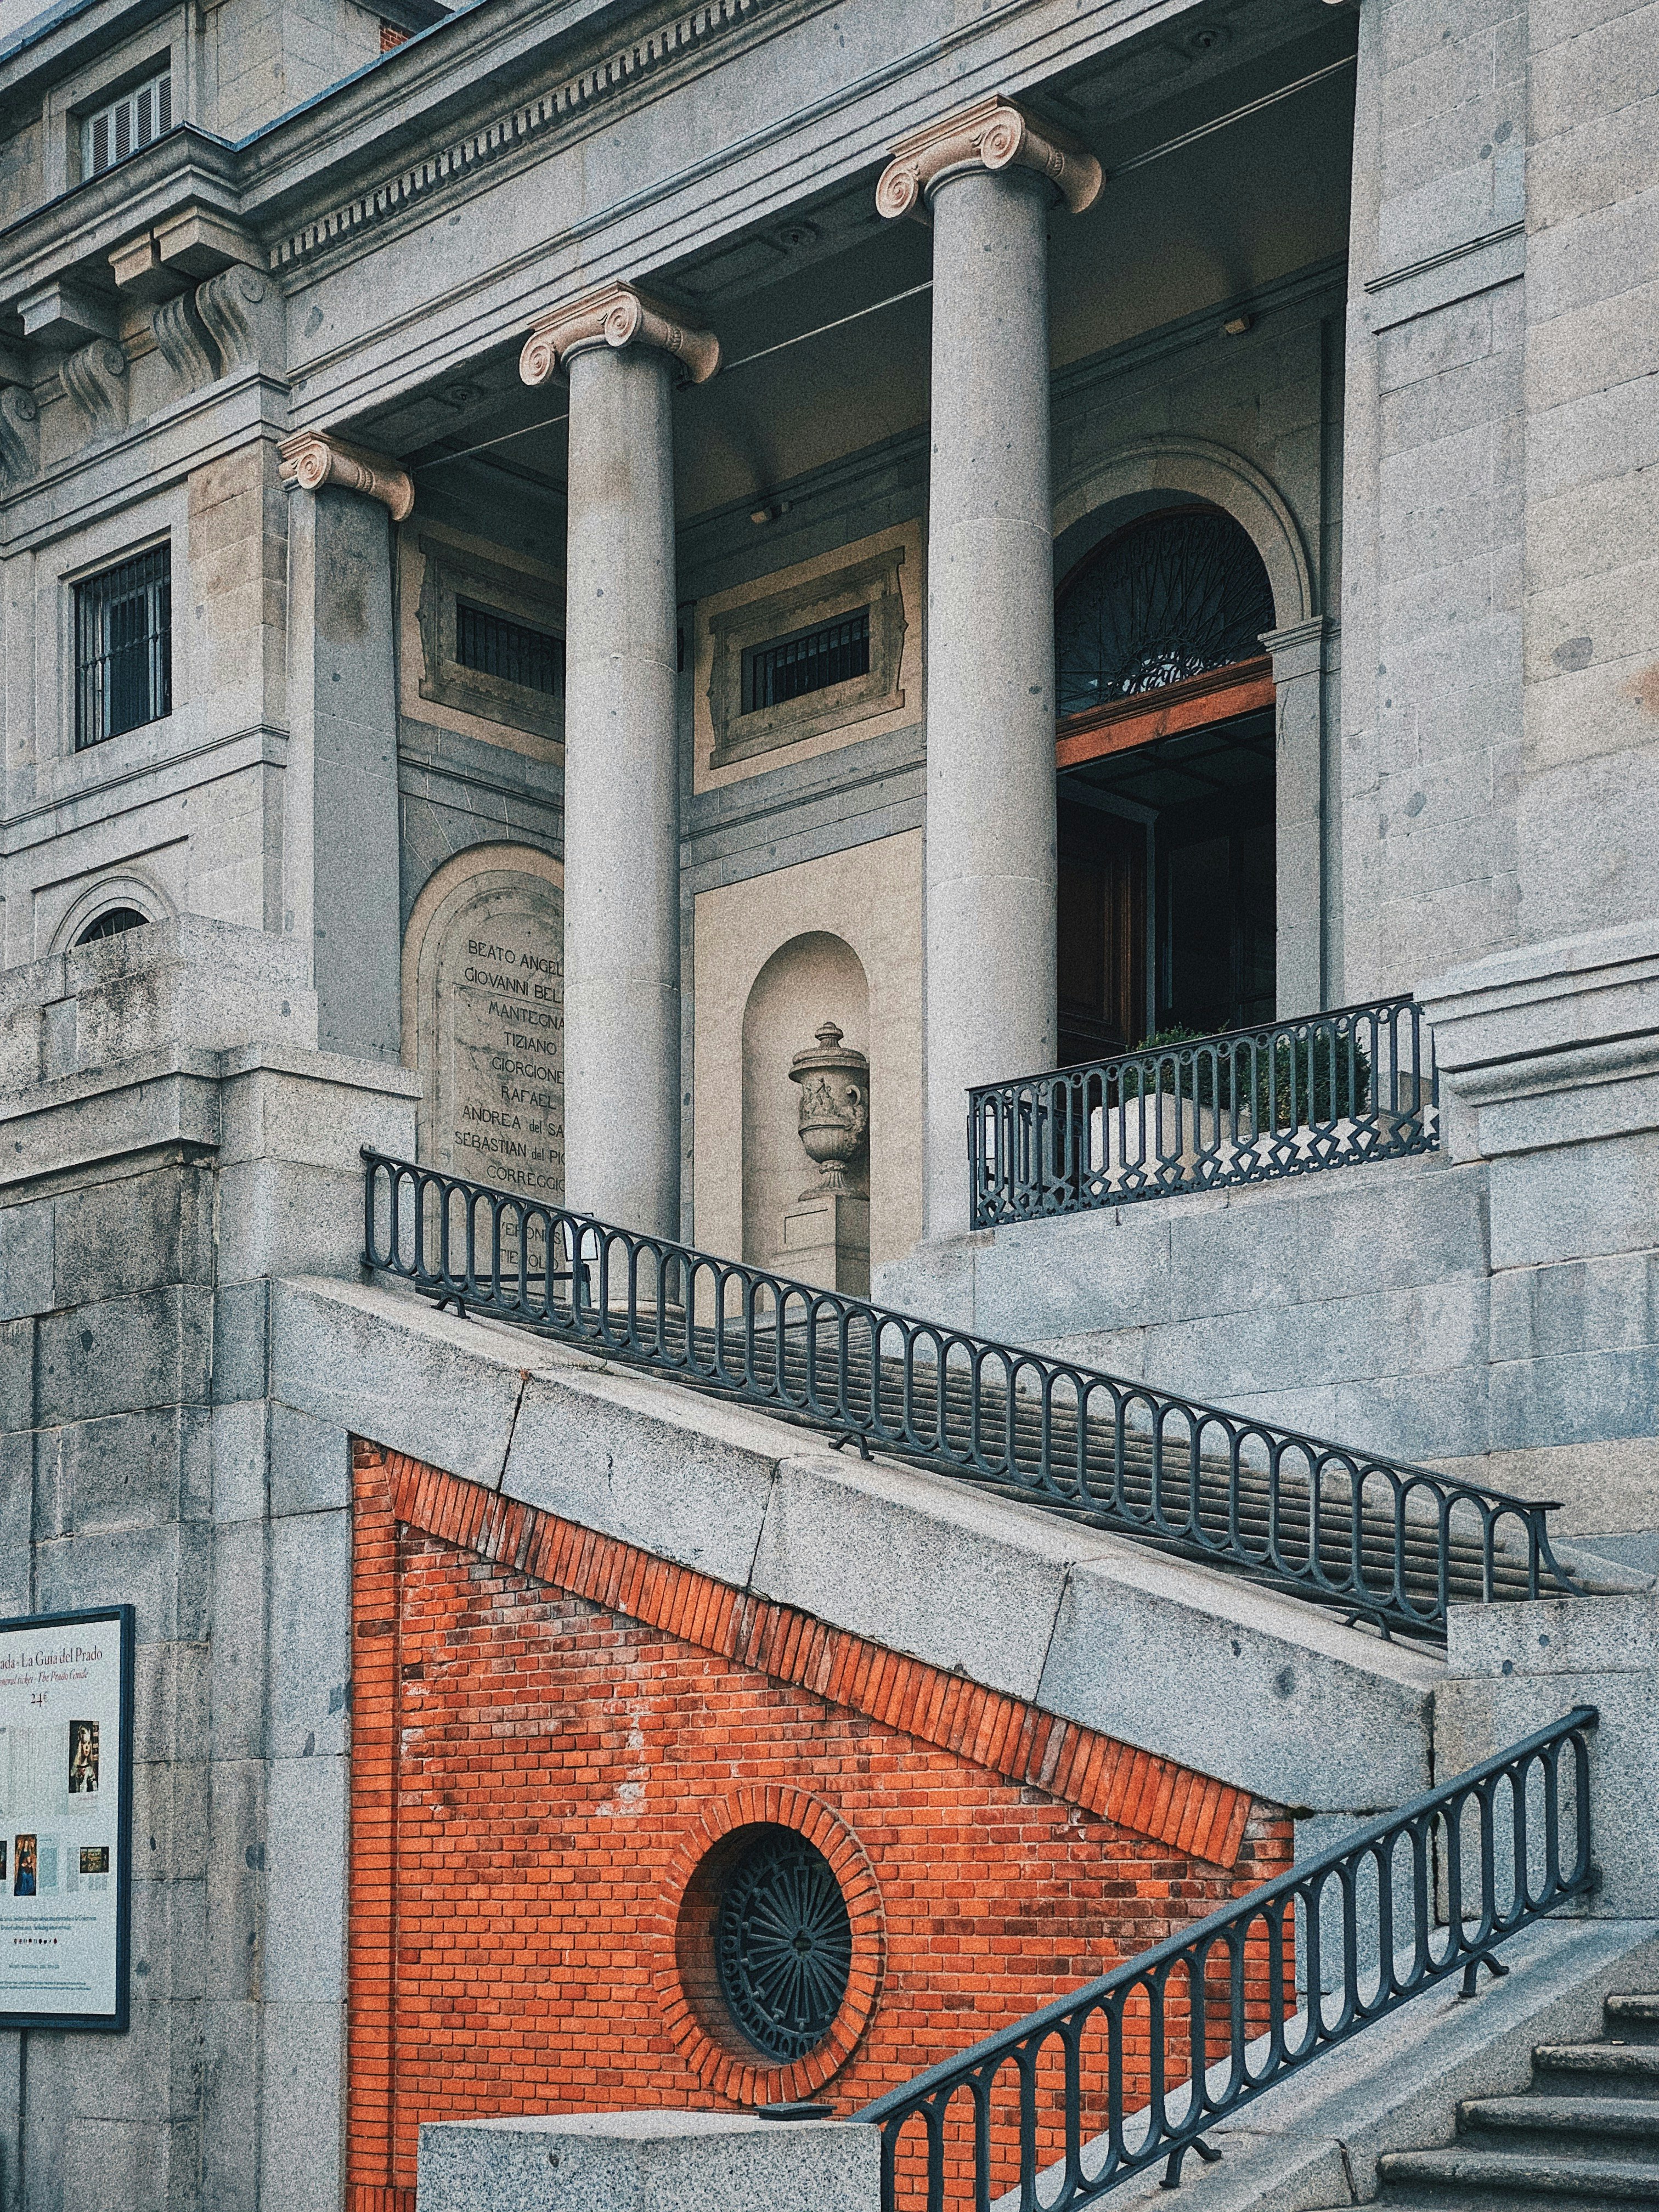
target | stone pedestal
x=657, y=2161
x=826, y=1239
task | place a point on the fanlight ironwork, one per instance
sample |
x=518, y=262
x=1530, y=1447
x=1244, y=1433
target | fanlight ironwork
x=1170, y=597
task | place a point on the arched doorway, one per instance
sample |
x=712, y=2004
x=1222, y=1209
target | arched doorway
x=1164, y=757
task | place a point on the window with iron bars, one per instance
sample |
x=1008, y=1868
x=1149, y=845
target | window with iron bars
x=810, y=660
x=124, y=647
x=511, y=652
x=127, y=123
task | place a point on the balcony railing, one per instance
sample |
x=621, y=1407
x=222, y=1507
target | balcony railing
x=1128, y=2072
x=1378, y=1538
x=1290, y=1098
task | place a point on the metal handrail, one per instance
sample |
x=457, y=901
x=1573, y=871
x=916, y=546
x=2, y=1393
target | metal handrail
x=1216, y=2008
x=1384, y=1539
x=1332, y=1089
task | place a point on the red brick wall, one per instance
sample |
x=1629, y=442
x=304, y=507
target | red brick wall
x=549, y=1728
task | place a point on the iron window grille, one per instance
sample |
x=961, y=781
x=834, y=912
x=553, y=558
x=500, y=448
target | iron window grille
x=134, y=120
x=492, y=645
x=811, y=660
x=124, y=647
x=1170, y=597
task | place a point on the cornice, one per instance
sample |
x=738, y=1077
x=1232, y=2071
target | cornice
x=992, y=133
x=628, y=67
x=616, y=315
x=82, y=229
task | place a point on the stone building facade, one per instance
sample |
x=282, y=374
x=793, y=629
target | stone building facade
x=550, y=555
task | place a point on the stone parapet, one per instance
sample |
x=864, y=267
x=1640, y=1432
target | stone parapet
x=649, y=2162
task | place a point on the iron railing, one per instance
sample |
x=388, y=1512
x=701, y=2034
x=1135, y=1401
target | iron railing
x=1382, y=1540
x=1290, y=1098
x=1131, y=2070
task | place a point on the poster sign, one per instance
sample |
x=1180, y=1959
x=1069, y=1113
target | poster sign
x=65, y=1808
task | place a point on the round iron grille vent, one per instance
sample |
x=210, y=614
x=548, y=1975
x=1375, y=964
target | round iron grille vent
x=1170, y=597
x=783, y=1944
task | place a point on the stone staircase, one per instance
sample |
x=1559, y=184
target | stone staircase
x=1586, y=2134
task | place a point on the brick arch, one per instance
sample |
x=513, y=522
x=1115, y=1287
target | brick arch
x=724, y=2065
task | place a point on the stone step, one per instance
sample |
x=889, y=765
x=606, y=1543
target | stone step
x=1463, y=2176
x=1576, y=2124
x=1609, y=2069
x=1633, y=2018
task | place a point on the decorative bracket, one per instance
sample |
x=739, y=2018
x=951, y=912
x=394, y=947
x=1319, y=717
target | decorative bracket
x=183, y=340
x=616, y=315
x=237, y=309
x=20, y=433
x=997, y=135
x=313, y=458
x=95, y=378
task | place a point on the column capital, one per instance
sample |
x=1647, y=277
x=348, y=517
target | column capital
x=997, y=134
x=312, y=459
x=616, y=315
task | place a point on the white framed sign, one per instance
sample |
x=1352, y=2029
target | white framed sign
x=65, y=1818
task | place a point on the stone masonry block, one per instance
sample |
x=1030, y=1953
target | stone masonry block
x=607, y=1450
x=921, y=1565
x=302, y=2149
x=161, y=1572
x=241, y=1442
x=17, y=1376
x=124, y=1353
x=390, y=1368
x=305, y=1862
x=310, y=1665
x=1575, y=1201
x=235, y=1870
x=27, y=1259
x=277, y=1218
x=131, y=1470
x=1256, y=1690
x=240, y=1341
x=649, y=2162
x=310, y=1463
x=134, y=1233
x=228, y=2057
x=238, y=1660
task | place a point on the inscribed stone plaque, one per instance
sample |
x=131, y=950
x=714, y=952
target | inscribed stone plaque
x=492, y=1041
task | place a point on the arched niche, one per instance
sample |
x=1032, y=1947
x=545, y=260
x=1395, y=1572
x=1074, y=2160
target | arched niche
x=484, y=1018
x=814, y=978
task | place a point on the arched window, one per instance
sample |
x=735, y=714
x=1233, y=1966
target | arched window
x=1172, y=596
x=112, y=921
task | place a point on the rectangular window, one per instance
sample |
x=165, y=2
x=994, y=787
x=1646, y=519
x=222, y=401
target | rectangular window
x=124, y=647
x=812, y=661
x=125, y=124
x=511, y=652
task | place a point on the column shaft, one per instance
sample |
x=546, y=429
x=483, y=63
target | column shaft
x=990, y=821
x=343, y=812
x=621, y=795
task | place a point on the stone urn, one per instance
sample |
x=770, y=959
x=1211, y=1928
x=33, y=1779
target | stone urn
x=835, y=1105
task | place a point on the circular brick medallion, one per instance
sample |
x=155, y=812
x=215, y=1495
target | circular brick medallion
x=717, y=1871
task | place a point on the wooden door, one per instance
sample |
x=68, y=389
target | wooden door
x=1102, y=933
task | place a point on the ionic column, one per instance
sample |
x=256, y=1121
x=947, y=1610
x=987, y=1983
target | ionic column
x=341, y=813
x=987, y=178
x=621, y=951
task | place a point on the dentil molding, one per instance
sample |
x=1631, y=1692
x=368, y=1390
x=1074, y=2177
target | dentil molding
x=312, y=459
x=997, y=135
x=616, y=315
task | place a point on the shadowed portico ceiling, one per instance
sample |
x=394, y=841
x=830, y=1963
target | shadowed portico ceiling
x=1237, y=210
